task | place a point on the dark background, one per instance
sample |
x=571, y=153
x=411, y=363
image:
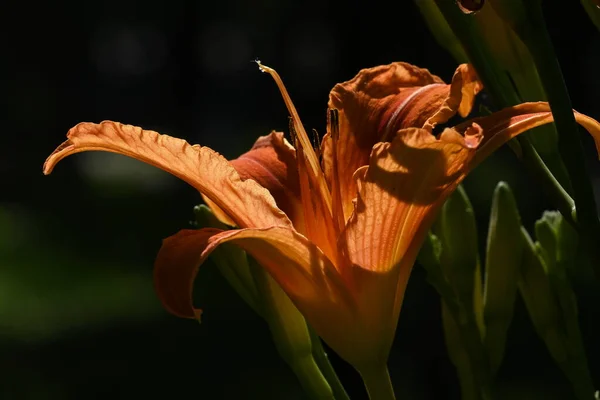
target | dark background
x=78, y=316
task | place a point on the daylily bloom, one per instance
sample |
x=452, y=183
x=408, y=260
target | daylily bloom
x=339, y=228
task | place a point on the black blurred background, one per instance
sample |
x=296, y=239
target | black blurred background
x=78, y=316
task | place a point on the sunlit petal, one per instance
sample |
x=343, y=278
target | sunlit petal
x=176, y=267
x=272, y=163
x=246, y=202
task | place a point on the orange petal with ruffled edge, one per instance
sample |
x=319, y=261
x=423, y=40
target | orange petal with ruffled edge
x=272, y=163
x=405, y=184
x=408, y=179
x=246, y=202
x=379, y=101
x=302, y=270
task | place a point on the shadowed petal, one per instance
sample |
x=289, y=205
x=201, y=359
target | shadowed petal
x=297, y=265
x=247, y=203
x=176, y=267
x=406, y=181
x=379, y=101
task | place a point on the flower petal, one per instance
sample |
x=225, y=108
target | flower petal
x=403, y=186
x=505, y=124
x=379, y=101
x=272, y=163
x=460, y=98
x=406, y=182
x=343, y=318
x=247, y=203
x=176, y=267
x=295, y=263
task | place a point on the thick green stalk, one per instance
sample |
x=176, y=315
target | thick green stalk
x=290, y=333
x=560, y=198
x=308, y=373
x=378, y=383
x=296, y=342
x=325, y=366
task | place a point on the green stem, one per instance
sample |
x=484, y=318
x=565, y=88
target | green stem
x=290, y=333
x=537, y=39
x=378, y=383
x=561, y=199
x=469, y=390
x=308, y=373
x=326, y=368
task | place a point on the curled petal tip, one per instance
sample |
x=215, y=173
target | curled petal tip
x=473, y=136
x=61, y=152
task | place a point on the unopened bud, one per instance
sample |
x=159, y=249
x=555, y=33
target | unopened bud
x=504, y=255
x=459, y=258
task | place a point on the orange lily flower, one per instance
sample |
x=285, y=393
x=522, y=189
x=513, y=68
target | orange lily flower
x=339, y=232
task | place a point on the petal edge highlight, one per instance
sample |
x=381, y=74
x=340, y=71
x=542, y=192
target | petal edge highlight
x=246, y=202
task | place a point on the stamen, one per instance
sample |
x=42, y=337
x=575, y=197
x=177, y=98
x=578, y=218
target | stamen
x=337, y=209
x=333, y=121
x=317, y=219
x=293, y=135
x=317, y=143
x=303, y=140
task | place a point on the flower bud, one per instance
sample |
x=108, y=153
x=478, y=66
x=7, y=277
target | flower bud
x=540, y=300
x=503, y=259
x=459, y=258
